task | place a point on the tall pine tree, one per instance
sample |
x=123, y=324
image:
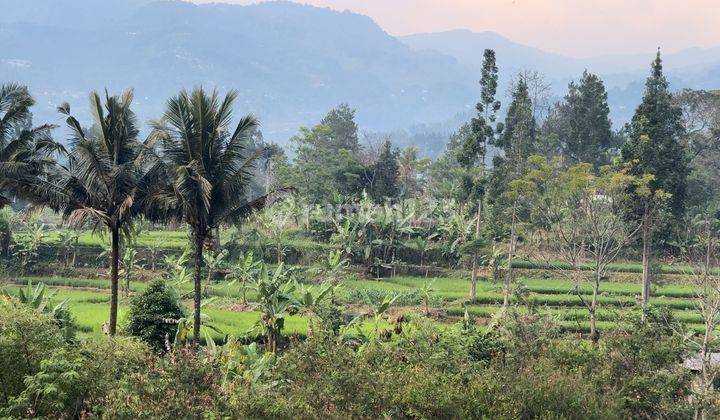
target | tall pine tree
x=383, y=174
x=474, y=148
x=654, y=149
x=582, y=122
x=343, y=128
x=518, y=137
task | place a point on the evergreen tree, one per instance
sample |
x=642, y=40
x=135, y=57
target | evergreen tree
x=518, y=137
x=654, y=150
x=518, y=142
x=474, y=147
x=383, y=174
x=654, y=141
x=582, y=123
x=343, y=129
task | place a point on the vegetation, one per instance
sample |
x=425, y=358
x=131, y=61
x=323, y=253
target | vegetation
x=576, y=276
x=154, y=315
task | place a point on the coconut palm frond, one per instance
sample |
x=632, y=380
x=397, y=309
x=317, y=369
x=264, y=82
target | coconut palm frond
x=81, y=216
x=245, y=209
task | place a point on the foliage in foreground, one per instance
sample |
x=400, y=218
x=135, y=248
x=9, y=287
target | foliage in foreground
x=416, y=370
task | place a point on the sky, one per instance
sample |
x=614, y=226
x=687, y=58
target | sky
x=579, y=28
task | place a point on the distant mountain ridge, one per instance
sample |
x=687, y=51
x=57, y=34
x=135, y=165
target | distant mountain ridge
x=290, y=63
x=467, y=47
x=623, y=74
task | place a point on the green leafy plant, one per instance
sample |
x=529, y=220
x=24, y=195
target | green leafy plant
x=69, y=240
x=155, y=314
x=186, y=327
x=40, y=301
x=276, y=301
x=214, y=263
x=426, y=291
x=378, y=310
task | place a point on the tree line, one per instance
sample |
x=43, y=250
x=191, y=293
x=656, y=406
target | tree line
x=524, y=179
x=195, y=167
x=659, y=171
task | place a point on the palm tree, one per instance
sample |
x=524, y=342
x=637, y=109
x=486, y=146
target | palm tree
x=104, y=176
x=25, y=151
x=209, y=171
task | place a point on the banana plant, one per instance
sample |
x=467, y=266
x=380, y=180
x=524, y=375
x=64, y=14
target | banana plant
x=29, y=245
x=154, y=251
x=310, y=298
x=345, y=236
x=378, y=310
x=272, y=224
x=40, y=301
x=177, y=270
x=69, y=240
x=276, y=301
x=128, y=264
x=496, y=261
x=426, y=292
x=423, y=244
x=214, y=262
x=247, y=364
x=332, y=267
x=245, y=272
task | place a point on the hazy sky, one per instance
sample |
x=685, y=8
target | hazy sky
x=573, y=27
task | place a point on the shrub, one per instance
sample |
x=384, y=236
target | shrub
x=73, y=381
x=646, y=364
x=182, y=384
x=332, y=317
x=26, y=337
x=149, y=312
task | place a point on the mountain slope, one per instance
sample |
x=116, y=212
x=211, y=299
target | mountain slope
x=290, y=62
x=467, y=47
x=624, y=75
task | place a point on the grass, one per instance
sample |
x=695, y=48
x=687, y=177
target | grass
x=162, y=239
x=543, y=292
x=91, y=311
x=625, y=267
x=88, y=299
x=179, y=240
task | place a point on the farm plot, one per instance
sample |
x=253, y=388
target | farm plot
x=88, y=299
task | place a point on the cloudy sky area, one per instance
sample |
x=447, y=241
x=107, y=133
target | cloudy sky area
x=578, y=28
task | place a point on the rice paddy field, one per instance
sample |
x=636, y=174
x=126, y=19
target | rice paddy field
x=556, y=297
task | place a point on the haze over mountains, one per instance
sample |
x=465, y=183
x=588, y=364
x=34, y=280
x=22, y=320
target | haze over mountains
x=291, y=63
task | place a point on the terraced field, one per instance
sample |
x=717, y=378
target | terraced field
x=556, y=297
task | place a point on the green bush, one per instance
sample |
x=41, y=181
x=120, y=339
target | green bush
x=424, y=372
x=74, y=380
x=181, y=385
x=150, y=312
x=26, y=338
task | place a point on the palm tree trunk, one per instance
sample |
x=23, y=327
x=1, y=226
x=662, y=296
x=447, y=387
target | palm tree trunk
x=114, y=263
x=216, y=240
x=199, y=241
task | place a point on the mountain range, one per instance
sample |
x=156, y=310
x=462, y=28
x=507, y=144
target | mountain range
x=291, y=63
